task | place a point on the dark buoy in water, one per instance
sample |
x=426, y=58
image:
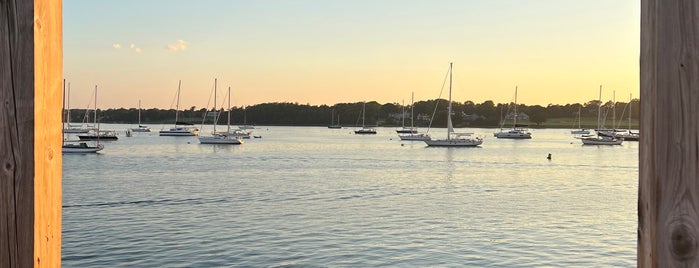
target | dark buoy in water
x=549, y=157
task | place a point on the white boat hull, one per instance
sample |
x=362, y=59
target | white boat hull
x=220, y=140
x=365, y=131
x=74, y=131
x=179, y=132
x=580, y=132
x=455, y=143
x=415, y=137
x=140, y=130
x=513, y=134
x=81, y=148
x=600, y=141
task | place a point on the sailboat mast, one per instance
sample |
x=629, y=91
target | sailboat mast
x=449, y=126
x=403, y=123
x=63, y=133
x=514, y=124
x=228, y=121
x=67, y=103
x=139, y=113
x=629, y=114
x=96, y=121
x=363, y=113
x=177, y=105
x=613, y=110
x=215, y=111
x=412, y=108
x=599, y=107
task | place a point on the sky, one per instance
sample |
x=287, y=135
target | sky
x=330, y=51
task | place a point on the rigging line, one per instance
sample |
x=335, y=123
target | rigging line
x=211, y=93
x=437, y=100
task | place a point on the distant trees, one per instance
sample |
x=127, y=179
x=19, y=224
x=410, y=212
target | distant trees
x=467, y=113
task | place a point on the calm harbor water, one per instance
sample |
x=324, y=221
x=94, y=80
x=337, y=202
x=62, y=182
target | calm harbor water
x=317, y=197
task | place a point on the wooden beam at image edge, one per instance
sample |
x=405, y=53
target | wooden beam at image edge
x=668, y=204
x=30, y=137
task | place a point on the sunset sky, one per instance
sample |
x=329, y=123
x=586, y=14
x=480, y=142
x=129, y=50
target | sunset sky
x=330, y=51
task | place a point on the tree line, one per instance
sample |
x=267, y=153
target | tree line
x=464, y=114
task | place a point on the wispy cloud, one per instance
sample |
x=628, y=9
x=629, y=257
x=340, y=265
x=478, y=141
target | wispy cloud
x=135, y=48
x=116, y=46
x=179, y=45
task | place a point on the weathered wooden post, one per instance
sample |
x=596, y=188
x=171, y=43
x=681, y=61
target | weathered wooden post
x=30, y=132
x=668, y=201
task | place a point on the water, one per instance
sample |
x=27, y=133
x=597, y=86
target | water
x=316, y=197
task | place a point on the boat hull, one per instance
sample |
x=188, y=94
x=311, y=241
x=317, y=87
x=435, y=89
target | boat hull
x=95, y=137
x=219, y=140
x=81, y=148
x=179, y=132
x=516, y=133
x=140, y=130
x=414, y=137
x=580, y=132
x=505, y=135
x=600, y=141
x=455, y=143
x=365, y=131
x=406, y=131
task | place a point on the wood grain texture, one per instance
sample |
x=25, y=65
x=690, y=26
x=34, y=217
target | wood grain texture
x=30, y=156
x=48, y=99
x=17, y=133
x=668, y=204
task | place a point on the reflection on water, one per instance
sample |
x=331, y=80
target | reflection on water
x=322, y=197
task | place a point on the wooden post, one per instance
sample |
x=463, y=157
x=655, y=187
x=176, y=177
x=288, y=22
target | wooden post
x=668, y=194
x=30, y=133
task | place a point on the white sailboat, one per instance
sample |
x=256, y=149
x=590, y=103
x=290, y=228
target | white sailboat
x=69, y=128
x=597, y=139
x=517, y=131
x=80, y=147
x=334, y=125
x=97, y=134
x=140, y=128
x=413, y=136
x=628, y=135
x=579, y=131
x=455, y=139
x=221, y=137
x=403, y=129
x=178, y=130
x=364, y=129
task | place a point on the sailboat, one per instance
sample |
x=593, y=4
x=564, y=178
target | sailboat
x=334, y=125
x=579, y=131
x=178, y=130
x=140, y=128
x=80, y=147
x=628, y=135
x=69, y=128
x=403, y=129
x=224, y=137
x=517, y=131
x=97, y=134
x=364, y=129
x=413, y=136
x=454, y=139
x=597, y=139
